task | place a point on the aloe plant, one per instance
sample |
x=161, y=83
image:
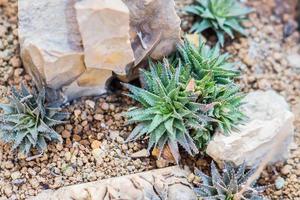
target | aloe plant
x=169, y=110
x=214, y=77
x=227, y=185
x=223, y=16
x=27, y=122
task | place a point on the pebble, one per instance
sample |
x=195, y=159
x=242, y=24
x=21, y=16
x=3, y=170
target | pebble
x=34, y=183
x=9, y=165
x=77, y=113
x=69, y=171
x=66, y=134
x=90, y=103
x=8, y=190
x=279, y=183
x=162, y=163
x=68, y=156
x=98, y=117
x=114, y=134
x=16, y=175
x=95, y=144
x=105, y=106
x=140, y=154
x=286, y=169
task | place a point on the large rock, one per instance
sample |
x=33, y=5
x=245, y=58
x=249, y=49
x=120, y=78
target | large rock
x=50, y=41
x=64, y=41
x=169, y=183
x=270, y=121
x=52, y=52
x=104, y=27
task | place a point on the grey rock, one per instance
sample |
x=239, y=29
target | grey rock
x=279, y=183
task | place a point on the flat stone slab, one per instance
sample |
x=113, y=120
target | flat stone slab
x=167, y=184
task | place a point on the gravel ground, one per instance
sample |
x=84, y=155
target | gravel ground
x=100, y=153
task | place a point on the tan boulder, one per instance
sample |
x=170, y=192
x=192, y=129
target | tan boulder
x=74, y=47
x=169, y=183
x=104, y=28
x=50, y=42
x=91, y=82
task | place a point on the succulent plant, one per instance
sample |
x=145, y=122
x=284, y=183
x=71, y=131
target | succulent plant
x=214, y=84
x=168, y=111
x=203, y=61
x=27, y=122
x=223, y=16
x=228, y=184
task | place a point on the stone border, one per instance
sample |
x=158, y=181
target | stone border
x=169, y=183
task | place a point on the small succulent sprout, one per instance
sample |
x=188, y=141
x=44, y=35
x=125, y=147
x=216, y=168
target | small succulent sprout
x=228, y=184
x=27, y=122
x=168, y=111
x=223, y=16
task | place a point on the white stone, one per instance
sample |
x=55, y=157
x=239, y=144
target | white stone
x=270, y=120
x=169, y=183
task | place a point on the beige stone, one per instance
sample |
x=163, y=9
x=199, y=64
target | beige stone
x=75, y=47
x=50, y=42
x=104, y=27
x=169, y=183
x=91, y=82
x=270, y=120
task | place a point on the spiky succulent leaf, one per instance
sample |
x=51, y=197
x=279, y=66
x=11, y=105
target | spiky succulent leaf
x=213, y=76
x=27, y=122
x=223, y=16
x=224, y=186
x=169, y=110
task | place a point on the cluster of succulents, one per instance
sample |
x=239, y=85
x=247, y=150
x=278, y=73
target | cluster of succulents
x=222, y=16
x=186, y=101
x=27, y=122
x=169, y=110
x=229, y=184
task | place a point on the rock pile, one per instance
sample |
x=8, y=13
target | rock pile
x=76, y=46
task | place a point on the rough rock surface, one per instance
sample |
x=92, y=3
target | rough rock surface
x=269, y=120
x=50, y=41
x=64, y=42
x=104, y=27
x=153, y=32
x=169, y=183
